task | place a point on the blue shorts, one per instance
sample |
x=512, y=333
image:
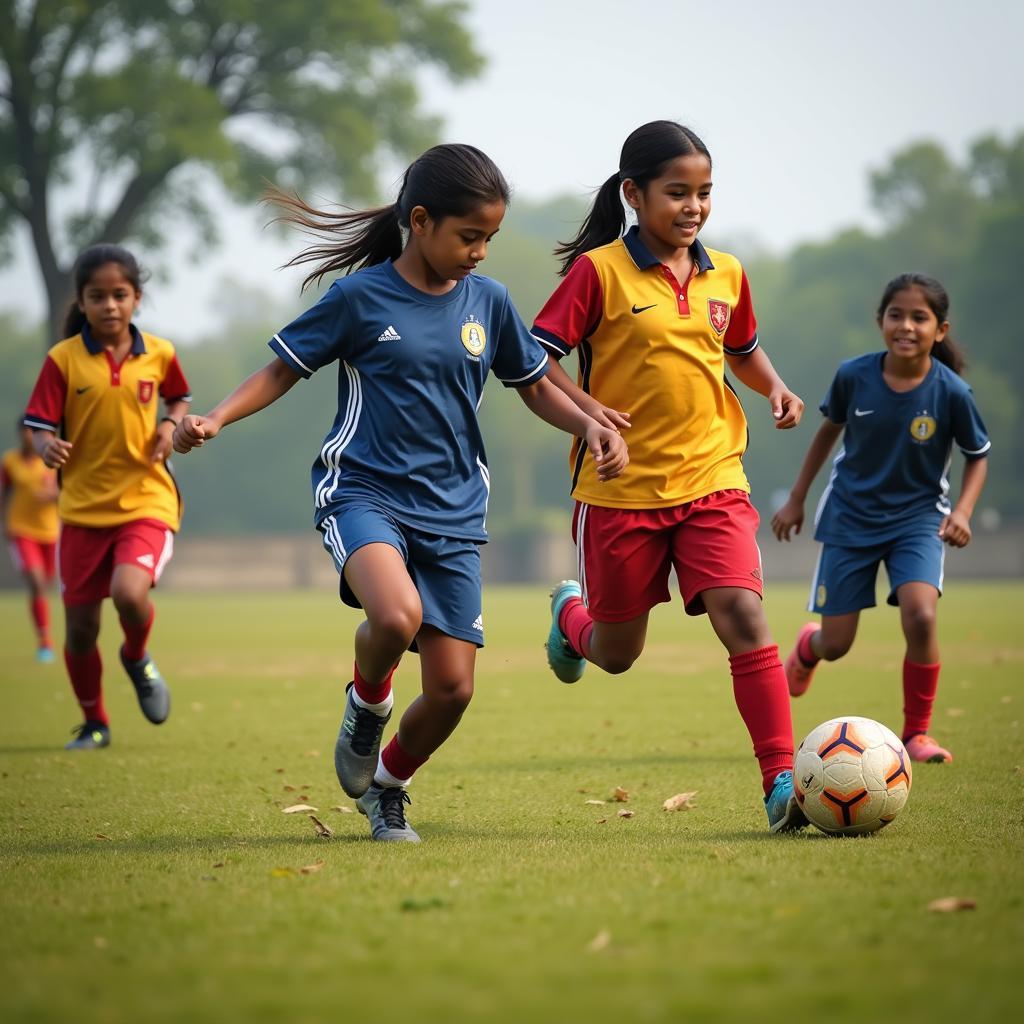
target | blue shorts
x=444, y=570
x=844, y=578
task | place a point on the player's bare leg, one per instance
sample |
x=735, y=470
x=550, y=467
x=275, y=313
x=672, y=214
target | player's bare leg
x=918, y=616
x=129, y=590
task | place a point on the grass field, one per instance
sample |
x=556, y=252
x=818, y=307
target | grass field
x=160, y=881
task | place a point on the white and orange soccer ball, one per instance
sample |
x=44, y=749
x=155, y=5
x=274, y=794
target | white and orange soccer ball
x=851, y=776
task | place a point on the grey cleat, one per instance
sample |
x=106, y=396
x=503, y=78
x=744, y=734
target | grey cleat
x=150, y=688
x=89, y=736
x=385, y=807
x=357, y=747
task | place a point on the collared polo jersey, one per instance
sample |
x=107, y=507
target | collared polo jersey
x=411, y=374
x=31, y=511
x=109, y=414
x=655, y=348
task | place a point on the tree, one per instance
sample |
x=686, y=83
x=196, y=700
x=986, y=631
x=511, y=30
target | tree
x=139, y=95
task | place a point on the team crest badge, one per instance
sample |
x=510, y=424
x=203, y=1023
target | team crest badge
x=719, y=313
x=473, y=335
x=922, y=427
x=145, y=391
x=820, y=596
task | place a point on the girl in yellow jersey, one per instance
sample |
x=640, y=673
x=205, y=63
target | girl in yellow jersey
x=95, y=414
x=656, y=318
x=28, y=511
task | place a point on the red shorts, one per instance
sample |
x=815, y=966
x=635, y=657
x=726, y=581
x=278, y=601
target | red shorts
x=28, y=554
x=625, y=554
x=88, y=556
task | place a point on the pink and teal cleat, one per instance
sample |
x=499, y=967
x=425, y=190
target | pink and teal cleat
x=566, y=663
x=798, y=673
x=924, y=748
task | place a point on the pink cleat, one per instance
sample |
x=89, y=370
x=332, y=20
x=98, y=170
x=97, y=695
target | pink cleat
x=924, y=748
x=798, y=673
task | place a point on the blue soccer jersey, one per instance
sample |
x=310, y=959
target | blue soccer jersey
x=411, y=375
x=891, y=473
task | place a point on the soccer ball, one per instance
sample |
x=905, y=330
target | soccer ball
x=851, y=776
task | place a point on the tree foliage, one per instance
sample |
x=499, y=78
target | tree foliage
x=135, y=96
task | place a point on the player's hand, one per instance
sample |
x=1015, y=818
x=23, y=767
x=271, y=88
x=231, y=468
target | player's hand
x=956, y=530
x=787, y=408
x=56, y=452
x=605, y=416
x=162, y=441
x=609, y=450
x=194, y=432
x=788, y=519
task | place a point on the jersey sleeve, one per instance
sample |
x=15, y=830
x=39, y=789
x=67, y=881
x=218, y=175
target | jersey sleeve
x=317, y=337
x=836, y=403
x=573, y=311
x=174, y=387
x=46, y=405
x=741, y=334
x=519, y=360
x=5, y=477
x=969, y=431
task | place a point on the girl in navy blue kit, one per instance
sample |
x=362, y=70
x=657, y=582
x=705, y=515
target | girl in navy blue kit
x=401, y=481
x=900, y=412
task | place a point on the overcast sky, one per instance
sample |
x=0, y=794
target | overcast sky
x=796, y=101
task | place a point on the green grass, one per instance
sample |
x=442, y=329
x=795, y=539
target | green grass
x=193, y=908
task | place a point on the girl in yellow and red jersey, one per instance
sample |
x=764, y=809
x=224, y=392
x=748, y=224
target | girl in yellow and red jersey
x=94, y=411
x=656, y=318
x=28, y=510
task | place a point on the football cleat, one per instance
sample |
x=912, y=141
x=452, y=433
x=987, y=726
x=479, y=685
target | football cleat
x=384, y=806
x=150, y=688
x=798, y=673
x=89, y=736
x=784, y=814
x=924, y=748
x=357, y=746
x=567, y=664
x=45, y=655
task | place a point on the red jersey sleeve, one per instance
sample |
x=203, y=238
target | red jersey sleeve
x=5, y=479
x=573, y=311
x=174, y=387
x=741, y=334
x=46, y=406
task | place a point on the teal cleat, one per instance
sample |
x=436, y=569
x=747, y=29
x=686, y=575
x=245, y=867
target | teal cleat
x=567, y=664
x=784, y=814
x=45, y=656
x=89, y=736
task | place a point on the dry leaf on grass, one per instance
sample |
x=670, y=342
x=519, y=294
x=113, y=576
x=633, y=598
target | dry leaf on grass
x=321, y=829
x=288, y=787
x=341, y=809
x=282, y=872
x=101, y=835
x=297, y=809
x=626, y=814
x=312, y=869
x=595, y=803
x=602, y=940
x=220, y=864
x=950, y=904
x=601, y=821
x=620, y=795
x=679, y=802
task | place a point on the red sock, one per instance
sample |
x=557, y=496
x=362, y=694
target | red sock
x=575, y=622
x=41, y=618
x=135, y=636
x=369, y=693
x=398, y=762
x=86, y=672
x=805, y=652
x=919, y=685
x=759, y=686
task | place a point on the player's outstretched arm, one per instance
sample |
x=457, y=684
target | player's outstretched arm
x=955, y=529
x=757, y=373
x=263, y=388
x=591, y=406
x=790, y=518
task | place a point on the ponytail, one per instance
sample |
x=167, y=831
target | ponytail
x=447, y=181
x=947, y=351
x=603, y=224
x=74, y=320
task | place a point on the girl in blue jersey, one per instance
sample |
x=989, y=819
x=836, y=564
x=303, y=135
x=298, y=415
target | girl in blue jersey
x=401, y=481
x=900, y=412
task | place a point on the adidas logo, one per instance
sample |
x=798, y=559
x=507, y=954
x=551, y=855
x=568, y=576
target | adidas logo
x=478, y=623
x=146, y=560
x=390, y=335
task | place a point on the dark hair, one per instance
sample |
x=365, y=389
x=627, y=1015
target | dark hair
x=644, y=155
x=447, y=181
x=89, y=261
x=947, y=351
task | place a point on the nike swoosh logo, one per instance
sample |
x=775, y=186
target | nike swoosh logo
x=640, y=309
x=863, y=412
x=82, y=391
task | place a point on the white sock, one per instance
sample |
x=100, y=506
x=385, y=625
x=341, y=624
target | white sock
x=382, y=709
x=384, y=778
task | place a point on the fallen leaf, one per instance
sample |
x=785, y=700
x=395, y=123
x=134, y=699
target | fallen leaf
x=312, y=869
x=321, y=829
x=582, y=790
x=620, y=795
x=341, y=809
x=288, y=788
x=626, y=813
x=297, y=808
x=596, y=803
x=601, y=821
x=312, y=753
x=679, y=802
x=303, y=796
x=220, y=864
x=950, y=904
x=602, y=940
x=282, y=872
x=279, y=771
x=101, y=835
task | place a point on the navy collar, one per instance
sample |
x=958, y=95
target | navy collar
x=93, y=347
x=644, y=258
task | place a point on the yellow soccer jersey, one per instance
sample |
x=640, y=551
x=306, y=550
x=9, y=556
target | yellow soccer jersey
x=109, y=414
x=27, y=486
x=656, y=349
